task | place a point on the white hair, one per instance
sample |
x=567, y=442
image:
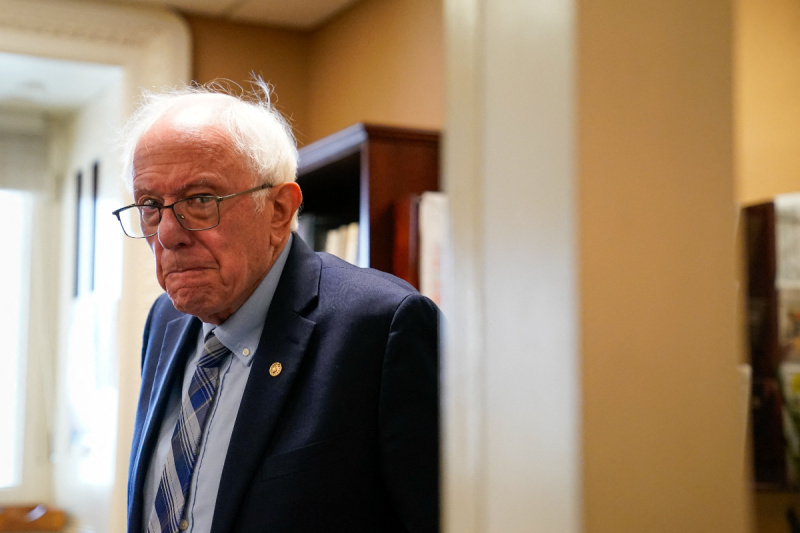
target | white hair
x=256, y=130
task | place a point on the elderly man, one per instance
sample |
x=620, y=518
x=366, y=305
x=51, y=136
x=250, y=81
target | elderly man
x=282, y=389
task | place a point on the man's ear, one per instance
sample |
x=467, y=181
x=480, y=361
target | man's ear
x=286, y=200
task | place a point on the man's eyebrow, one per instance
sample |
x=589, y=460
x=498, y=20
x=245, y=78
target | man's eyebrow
x=182, y=190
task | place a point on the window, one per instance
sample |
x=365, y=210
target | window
x=14, y=273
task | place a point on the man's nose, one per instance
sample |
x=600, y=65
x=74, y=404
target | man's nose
x=170, y=232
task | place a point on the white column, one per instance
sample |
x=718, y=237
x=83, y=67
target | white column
x=510, y=371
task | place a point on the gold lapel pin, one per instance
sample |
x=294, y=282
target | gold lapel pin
x=275, y=369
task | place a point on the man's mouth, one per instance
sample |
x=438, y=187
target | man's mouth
x=188, y=271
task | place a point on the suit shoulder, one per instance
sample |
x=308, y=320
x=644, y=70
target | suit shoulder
x=341, y=273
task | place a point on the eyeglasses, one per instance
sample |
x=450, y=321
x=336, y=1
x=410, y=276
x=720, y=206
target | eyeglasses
x=194, y=213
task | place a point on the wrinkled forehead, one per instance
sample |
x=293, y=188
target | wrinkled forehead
x=194, y=120
x=182, y=145
x=168, y=139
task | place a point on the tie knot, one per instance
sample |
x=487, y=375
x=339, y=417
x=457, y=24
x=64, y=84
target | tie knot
x=213, y=352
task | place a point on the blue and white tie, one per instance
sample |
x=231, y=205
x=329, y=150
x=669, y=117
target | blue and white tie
x=167, y=517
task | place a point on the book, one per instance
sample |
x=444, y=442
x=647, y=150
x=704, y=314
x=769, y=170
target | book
x=342, y=242
x=351, y=243
x=433, y=228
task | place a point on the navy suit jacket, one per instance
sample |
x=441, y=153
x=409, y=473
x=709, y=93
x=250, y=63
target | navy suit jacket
x=346, y=437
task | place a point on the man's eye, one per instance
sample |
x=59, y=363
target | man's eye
x=200, y=200
x=150, y=202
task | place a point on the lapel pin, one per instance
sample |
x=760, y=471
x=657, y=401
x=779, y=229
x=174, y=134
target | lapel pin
x=275, y=369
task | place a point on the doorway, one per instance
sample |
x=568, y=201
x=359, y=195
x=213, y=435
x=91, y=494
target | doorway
x=82, y=379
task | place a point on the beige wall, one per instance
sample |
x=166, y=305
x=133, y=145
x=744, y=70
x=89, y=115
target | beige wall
x=379, y=61
x=663, y=427
x=229, y=50
x=767, y=98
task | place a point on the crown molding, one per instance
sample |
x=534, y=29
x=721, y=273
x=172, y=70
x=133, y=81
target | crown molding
x=123, y=24
x=134, y=37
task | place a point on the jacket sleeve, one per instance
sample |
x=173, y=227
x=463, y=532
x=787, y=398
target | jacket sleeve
x=409, y=413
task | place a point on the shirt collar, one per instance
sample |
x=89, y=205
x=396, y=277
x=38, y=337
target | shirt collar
x=241, y=332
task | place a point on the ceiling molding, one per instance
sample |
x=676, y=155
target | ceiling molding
x=301, y=15
x=152, y=45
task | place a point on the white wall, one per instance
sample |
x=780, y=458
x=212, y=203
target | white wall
x=23, y=155
x=88, y=417
x=511, y=369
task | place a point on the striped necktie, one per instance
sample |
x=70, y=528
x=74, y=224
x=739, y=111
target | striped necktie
x=168, y=514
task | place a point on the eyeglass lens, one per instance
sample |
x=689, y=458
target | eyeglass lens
x=193, y=213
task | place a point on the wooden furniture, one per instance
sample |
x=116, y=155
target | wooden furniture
x=773, y=311
x=18, y=518
x=358, y=174
x=406, y=255
x=769, y=458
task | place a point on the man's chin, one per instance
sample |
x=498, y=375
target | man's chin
x=187, y=300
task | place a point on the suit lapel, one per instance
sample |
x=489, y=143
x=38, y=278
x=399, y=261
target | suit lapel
x=180, y=338
x=284, y=340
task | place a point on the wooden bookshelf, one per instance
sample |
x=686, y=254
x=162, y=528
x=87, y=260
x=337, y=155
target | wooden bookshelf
x=769, y=454
x=359, y=174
